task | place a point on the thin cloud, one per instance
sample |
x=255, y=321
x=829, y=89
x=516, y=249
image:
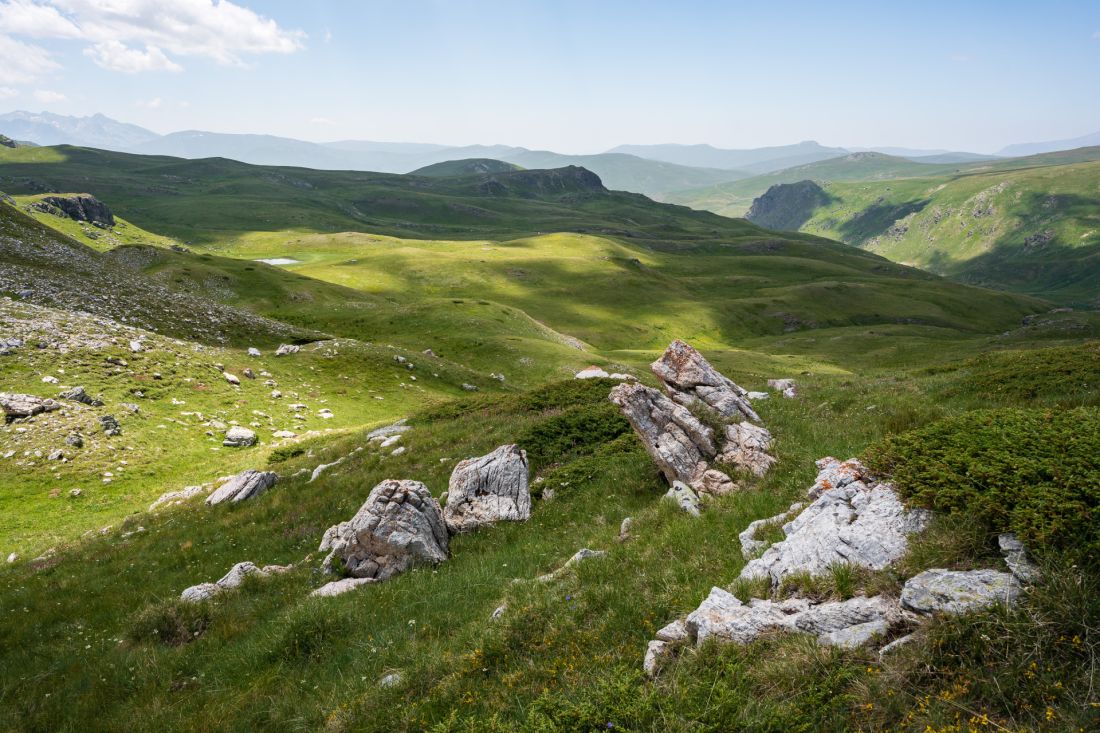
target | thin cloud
x=8, y=93
x=23, y=63
x=154, y=103
x=46, y=96
x=117, y=56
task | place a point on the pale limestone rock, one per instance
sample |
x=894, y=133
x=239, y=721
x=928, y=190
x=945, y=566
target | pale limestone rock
x=488, y=489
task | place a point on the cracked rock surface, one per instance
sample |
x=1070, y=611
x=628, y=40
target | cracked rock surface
x=398, y=526
x=688, y=377
x=245, y=485
x=488, y=489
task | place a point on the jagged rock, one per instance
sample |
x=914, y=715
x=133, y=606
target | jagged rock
x=287, y=349
x=80, y=207
x=958, y=591
x=1016, y=558
x=110, y=425
x=676, y=440
x=338, y=587
x=656, y=654
x=398, y=526
x=77, y=394
x=245, y=485
x=686, y=499
x=749, y=544
x=624, y=529
x=688, y=377
x=56, y=455
x=592, y=372
x=25, y=405
x=578, y=557
x=171, y=498
x=787, y=387
x=76, y=440
x=248, y=373
x=747, y=447
x=253, y=351
x=233, y=579
x=238, y=437
x=673, y=632
x=859, y=523
x=488, y=489
x=724, y=617
x=232, y=379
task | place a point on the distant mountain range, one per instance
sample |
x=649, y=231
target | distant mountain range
x=654, y=170
x=1051, y=146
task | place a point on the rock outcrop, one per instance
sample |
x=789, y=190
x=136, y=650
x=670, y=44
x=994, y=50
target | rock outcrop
x=854, y=519
x=398, y=526
x=681, y=444
x=16, y=405
x=245, y=485
x=77, y=394
x=958, y=591
x=81, y=207
x=677, y=441
x=488, y=489
x=688, y=377
x=233, y=579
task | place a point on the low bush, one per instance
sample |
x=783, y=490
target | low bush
x=1033, y=472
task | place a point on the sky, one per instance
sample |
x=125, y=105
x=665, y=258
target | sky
x=575, y=77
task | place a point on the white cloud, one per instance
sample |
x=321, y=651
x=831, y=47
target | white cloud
x=153, y=103
x=142, y=35
x=26, y=18
x=117, y=56
x=45, y=96
x=8, y=93
x=22, y=63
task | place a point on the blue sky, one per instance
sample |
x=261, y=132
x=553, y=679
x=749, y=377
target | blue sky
x=569, y=76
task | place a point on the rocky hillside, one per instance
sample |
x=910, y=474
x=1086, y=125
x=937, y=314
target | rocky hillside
x=787, y=206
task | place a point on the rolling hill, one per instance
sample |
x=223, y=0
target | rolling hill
x=752, y=160
x=464, y=167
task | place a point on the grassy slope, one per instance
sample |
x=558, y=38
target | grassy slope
x=464, y=167
x=566, y=654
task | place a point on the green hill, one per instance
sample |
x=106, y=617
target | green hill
x=465, y=167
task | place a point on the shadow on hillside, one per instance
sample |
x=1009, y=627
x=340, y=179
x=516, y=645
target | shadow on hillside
x=1033, y=259
x=877, y=219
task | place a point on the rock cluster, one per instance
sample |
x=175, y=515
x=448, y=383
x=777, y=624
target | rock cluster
x=488, y=489
x=681, y=444
x=16, y=405
x=853, y=519
x=231, y=580
x=398, y=526
x=245, y=485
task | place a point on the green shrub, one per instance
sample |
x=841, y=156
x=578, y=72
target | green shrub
x=1067, y=375
x=576, y=431
x=1034, y=472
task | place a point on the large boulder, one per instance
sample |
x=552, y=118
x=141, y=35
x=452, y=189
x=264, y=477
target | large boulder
x=688, y=377
x=958, y=591
x=238, y=437
x=488, y=489
x=856, y=520
x=245, y=485
x=80, y=207
x=399, y=526
x=24, y=405
x=677, y=441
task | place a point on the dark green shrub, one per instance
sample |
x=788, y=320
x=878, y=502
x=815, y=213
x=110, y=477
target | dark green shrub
x=1067, y=375
x=1034, y=472
x=578, y=430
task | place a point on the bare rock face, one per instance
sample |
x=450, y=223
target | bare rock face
x=25, y=405
x=80, y=207
x=687, y=377
x=398, y=526
x=488, y=489
x=746, y=446
x=726, y=618
x=680, y=445
x=859, y=522
x=958, y=591
x=238, y=437
x=287, y=349
x=245, y=485
x=229, y=581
